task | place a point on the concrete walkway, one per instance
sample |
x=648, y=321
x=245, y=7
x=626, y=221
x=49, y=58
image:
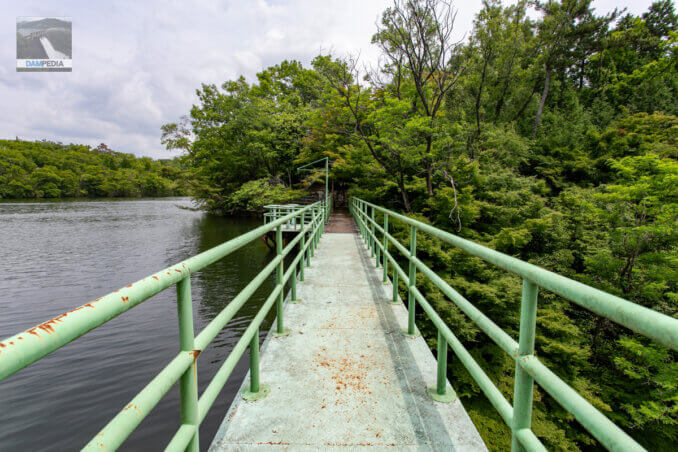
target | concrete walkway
x=346, y=377
x=341, y=221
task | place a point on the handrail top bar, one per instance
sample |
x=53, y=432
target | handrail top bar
x=652, y=324
x=26, y=347
x=312, y=163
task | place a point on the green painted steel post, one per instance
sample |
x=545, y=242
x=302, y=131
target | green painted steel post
x=376, y=242
x=384, y=263
x=358, y=213
x=311, y=247
x=303, y=256
x=411, y=303
x=441, y=384
x=370, y=230
x=254, y=363
x=313, y=244
x=188, y=385
x=395, y=285
x=315, y=236
x=373, y=245
x=523, y=385
x=310, y=239
x=279, y=279
x=366, y=226
x=293, y=281
x=439, y=392
x=360, y=216
x=412, y=282
x=308, y=254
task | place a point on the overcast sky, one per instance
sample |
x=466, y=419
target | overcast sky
x=137, y=64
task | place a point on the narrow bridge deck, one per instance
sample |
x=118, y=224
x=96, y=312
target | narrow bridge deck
x=346, y=376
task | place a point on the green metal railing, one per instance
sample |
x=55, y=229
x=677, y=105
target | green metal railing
x=275, y=211
x=528, y=369
x=22, y=349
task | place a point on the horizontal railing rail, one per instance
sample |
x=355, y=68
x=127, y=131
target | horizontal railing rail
x=528, y=369
x=22, y=349
x=275, y=211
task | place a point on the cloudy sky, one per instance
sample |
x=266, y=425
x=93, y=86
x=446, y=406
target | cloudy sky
x=137, y=64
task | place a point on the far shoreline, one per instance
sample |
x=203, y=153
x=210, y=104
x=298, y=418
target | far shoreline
x=58, y=200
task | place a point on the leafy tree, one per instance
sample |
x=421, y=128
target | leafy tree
x=247, y=132
x=52, y=170
x=567, y=34
x=415, y=40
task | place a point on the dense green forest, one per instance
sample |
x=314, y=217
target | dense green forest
x=549, y=133
x=43, y=169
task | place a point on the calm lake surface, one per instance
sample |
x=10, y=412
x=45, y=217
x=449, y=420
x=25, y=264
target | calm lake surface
x=56, y=256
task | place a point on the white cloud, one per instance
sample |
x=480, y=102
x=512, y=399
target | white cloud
x=137, y=64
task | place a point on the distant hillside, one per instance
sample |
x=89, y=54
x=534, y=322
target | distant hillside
x=43, y=169
x=45, y=24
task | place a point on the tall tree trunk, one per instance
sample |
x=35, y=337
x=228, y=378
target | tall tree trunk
x=542, y=101
x=403, y=192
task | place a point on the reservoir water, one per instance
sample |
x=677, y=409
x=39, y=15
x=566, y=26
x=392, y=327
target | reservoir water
x=55, y=256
